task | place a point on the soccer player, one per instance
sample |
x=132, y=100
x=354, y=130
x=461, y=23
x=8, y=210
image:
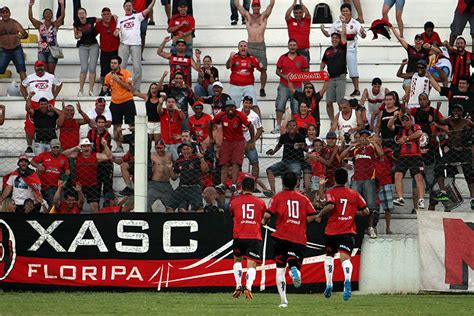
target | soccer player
x=247, y=211
x=342, y=205
x=293, y=211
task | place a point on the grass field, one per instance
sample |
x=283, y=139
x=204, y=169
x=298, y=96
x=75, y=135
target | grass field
x=218, y=304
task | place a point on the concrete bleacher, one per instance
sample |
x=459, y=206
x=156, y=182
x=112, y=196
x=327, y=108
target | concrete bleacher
x=215, y=37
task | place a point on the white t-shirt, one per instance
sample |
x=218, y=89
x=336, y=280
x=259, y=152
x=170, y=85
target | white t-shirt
x=21, y=191
x=418, y=86
x=255, y=120
x=353, y=29
x=129, y=27
x=92, y=114
x=41, y=86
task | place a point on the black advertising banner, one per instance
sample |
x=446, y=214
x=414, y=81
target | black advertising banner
x=139, y=250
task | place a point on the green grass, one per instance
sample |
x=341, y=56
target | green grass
x=139, y=303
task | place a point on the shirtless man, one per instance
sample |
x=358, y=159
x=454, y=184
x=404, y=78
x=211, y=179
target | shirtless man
x=10, y=47
x=159, y=188
x=460, y=151
x=256, y=24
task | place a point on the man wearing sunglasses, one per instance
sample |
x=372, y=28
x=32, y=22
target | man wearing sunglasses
x=420, y=83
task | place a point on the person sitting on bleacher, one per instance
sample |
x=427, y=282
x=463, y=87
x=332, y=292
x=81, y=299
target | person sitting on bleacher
x=207, y=75
x=293, y=154
x=182, y=26
x=44, y=119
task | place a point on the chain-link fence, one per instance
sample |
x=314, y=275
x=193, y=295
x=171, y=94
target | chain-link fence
x=396, y=176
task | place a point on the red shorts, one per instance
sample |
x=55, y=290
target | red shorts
x=231, y=152
x=29, y=125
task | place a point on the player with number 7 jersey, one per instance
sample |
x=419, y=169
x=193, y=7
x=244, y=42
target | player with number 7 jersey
x=247, y=211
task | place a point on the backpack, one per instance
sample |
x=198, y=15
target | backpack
x=322, y=14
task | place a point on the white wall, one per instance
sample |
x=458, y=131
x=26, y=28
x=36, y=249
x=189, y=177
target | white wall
x=390, y=265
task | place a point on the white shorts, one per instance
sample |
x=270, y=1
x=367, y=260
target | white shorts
x=351, y=59
x=153, y=127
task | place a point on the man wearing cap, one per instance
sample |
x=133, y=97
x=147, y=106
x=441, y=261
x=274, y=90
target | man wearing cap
x=420, y=83
x=128, y=27
x=159, y=187
x=291, y=62
x=44, y=118
x=11, y=32
x=219, y=99
x=190, y=167
x=242, y=80
x=109, y=42
x=86, y=169
x=354, y=29
x=180, y=61
x=364, y=152
x=250, y=150
x=43, y=85
x=409, y=157
x=171, y=119
x=372, y=99
x=231, y=152
x=23, y=184
x=100, y=108
x=51, y=166
x=182, y=26
x=460, y=146
x=256, y=23
x=198, y=124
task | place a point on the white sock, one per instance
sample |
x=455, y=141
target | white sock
x=281, y=284
x=251, y=273
x=238, y=274
x=328, y=269
x=347, y=267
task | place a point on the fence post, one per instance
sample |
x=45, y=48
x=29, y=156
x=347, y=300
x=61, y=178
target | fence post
x=141, y=164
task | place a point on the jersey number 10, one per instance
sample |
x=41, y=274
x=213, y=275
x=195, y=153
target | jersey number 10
x=293, y=209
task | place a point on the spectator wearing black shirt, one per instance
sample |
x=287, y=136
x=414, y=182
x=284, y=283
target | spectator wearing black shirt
x=44, y=118
x=461, y=59
x=190, y=167
x=184, y=96
x=457, y=94
x=84, y=32
x=207, y=75
x=152, y=98
x=219, y=99
x=335, y=59
x=311, y=98
x=293, y=154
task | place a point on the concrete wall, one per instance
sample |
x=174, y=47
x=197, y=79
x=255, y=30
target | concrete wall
x=390, y=265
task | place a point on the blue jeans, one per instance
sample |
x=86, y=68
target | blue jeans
x=234, y=16
x=366, y=188
x=284, y=166
x=15, y=55
x=283, y=96
x=201, y=92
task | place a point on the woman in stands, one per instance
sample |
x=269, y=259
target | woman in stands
x=84, y=32
x=48, y=34
x=208, y=74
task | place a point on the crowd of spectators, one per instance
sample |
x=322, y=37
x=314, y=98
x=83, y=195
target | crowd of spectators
x=196, y=155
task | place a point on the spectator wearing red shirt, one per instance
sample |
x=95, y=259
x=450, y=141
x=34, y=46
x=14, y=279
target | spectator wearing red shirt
x=299, y=27
x=288, y=63
x=430, y=36
x=180, y=61
x=318, y=165
x=199, y=124
x=364, y=152
x=461, y=60
x=109, y=42
x=331, y=153
x=72, y=202
x=242, y=80
x=171, y=120
x=408, y=139
x=51, y=166
x=293, y=211
x=86, y=169
x=304, y=119
x=247, y=211
x=343, y=204
x=231, y=152
x=182, y=26
x=463, y=13
x=69, y=127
